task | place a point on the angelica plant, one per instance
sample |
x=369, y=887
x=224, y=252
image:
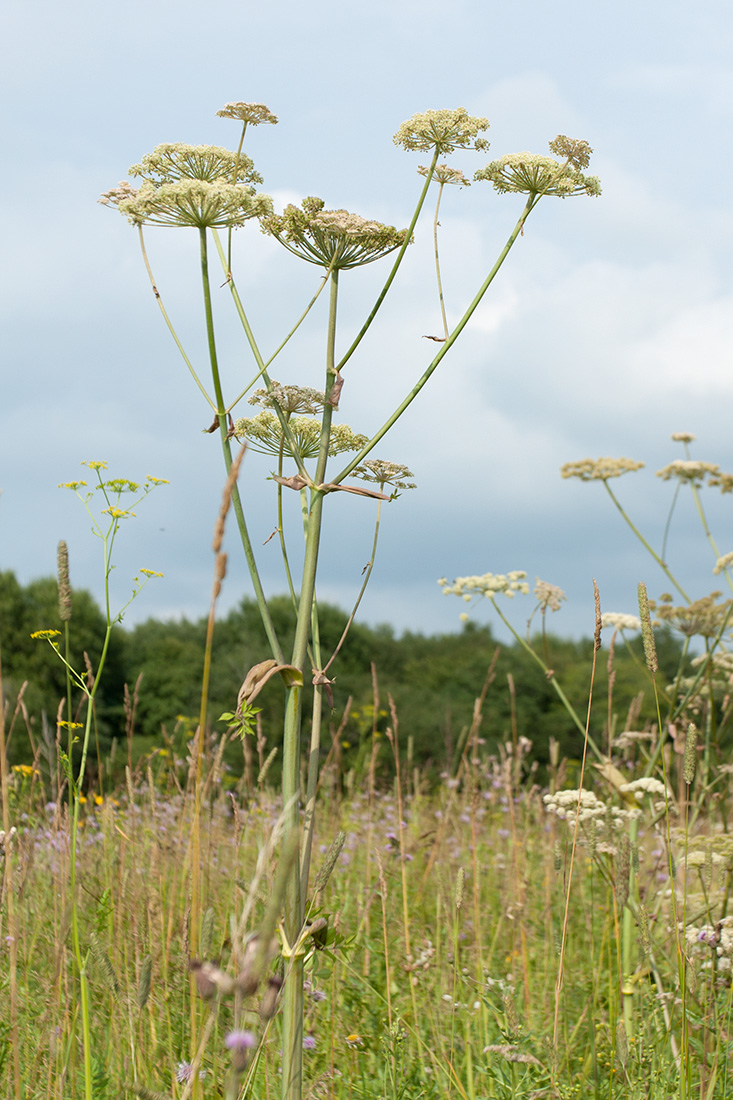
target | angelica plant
x=209, y=189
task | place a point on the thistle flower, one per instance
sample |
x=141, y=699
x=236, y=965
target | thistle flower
x=548, y=595
x=445, y=174
x=616, y=620
x=488, y=585
x=333, y=239
x=240, y=1043
x=533, y=174
x=444, y=130
x=175, y=161
x=291, y=399
x=385, y=473
x=688, y=470
x=600, y=469
x=190, y=202
x=264, y=435
x=251, y=113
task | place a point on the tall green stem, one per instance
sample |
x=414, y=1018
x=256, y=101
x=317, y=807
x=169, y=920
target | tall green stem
x=227, y=451
x=294, y=899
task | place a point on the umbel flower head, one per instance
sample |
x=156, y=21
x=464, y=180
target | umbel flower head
x=291, y=399
x=488, y=585
x=251, y=113
x=175, y=161
x=332, y=238
x=385, y=473
x=445, y=174
x=600, y=469
x=533, y=174
x=189, y=202
x=444, y=131
x=264, y=435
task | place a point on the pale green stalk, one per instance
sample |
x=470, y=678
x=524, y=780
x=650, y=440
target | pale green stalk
x=294, y=902
x=264, y=364
x=284, y=426
x=169, y=323
x=368, y=447
x=553, y=680
x=644, y=543
x=395, y=267
x=227, y=451
x=436, y=223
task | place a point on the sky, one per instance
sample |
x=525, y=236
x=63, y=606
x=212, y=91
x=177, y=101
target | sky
x=609, y=327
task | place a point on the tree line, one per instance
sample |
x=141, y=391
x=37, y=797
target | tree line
x=433, y=680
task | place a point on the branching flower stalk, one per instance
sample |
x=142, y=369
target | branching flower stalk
x=208, y=188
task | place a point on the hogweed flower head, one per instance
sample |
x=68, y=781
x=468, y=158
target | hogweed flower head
x=600, y=469
x=385, y=473
x=291, y=399
x=264, y=435
x=445, y=174
x=534, y=174
x=723, y=562
x=174, y=161
x=488, y=585
x=705, y=616
x=252, y=113
x=443, y=130
x=682, y=437
x=190, y=202
x=548, y=595
x=617, y=620
x=688, y=470
x=722, y=481
x=333, y=239
x=574, y=151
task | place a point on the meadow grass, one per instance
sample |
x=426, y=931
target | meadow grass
x=445, y=909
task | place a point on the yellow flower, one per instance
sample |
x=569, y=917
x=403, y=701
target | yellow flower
x=48, y=634
x=98, y=800
x=95, y=465
x=26, y=770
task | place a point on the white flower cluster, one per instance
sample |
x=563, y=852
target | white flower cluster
x=489, y=585
x=617, y=620
x=723, y=562
x=688, y=470
x=564, y=804
x=646, y=785
x=549, y=595
x=600, y=469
